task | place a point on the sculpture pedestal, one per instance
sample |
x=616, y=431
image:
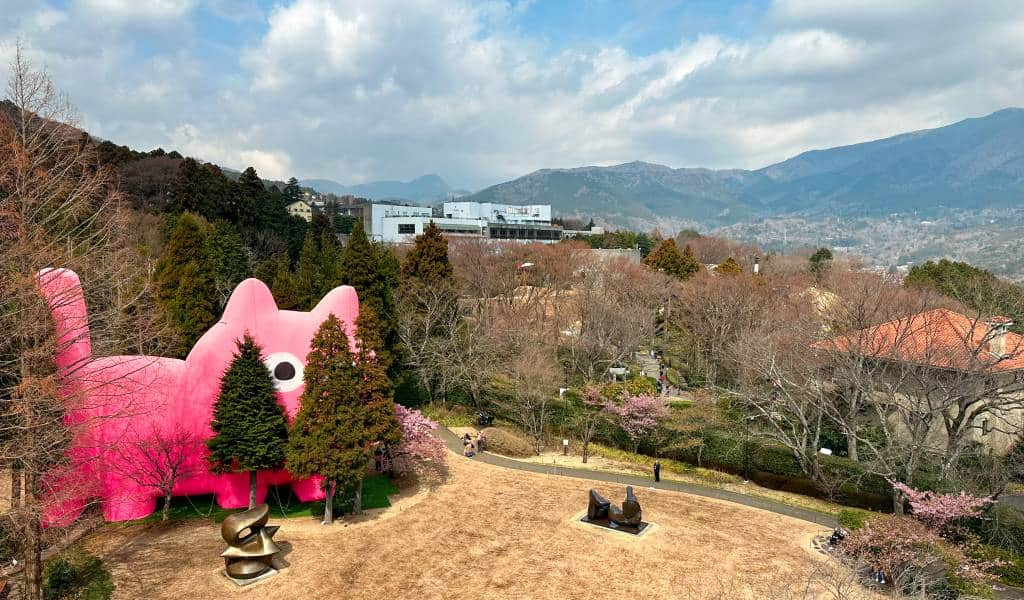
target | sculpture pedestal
x=247, y=582
x=606, y=524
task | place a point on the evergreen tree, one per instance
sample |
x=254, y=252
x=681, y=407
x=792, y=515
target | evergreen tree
x=193, y=309
x=820, y=260
x=372, y=270
x=690, y=265
x=186, y=284
x=319, y=268
x=230, y=262
x=285, y=292
x=266, y=271
x=185, y=245
x=666, y=258
x=427, y=261
x=381, y=426
x=729, y=267
x=328, y=435
x=249, y=427
x=292, y=192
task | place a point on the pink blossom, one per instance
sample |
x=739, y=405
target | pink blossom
x=637, y=415
x=418, y=443
x=937, y=510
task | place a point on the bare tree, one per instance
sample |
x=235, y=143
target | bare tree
x=533, y=379
x=57, y=208
x=157, y=459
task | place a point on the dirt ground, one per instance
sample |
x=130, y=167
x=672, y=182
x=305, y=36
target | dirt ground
x=487, y=532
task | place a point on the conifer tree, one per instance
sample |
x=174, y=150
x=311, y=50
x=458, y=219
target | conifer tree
x=328, y=435
x=292, y=192
x=729, y=267
x=318, y=271
x=428, y=259
x=284, y=289
x=371, y=269
x=690, y=266
x=249, y=427
x=186, y=283
x=376, y=393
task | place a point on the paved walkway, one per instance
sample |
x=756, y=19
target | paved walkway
x=455, y=444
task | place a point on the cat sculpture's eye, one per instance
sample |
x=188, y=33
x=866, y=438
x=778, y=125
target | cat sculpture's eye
x=286, y=369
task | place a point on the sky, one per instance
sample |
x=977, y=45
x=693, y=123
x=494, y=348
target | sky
x=482, y=92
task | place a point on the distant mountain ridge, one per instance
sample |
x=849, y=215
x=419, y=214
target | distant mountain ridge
x=972, y=164
x=427, y=188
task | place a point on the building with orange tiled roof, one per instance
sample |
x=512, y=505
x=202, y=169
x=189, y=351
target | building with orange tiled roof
x=955, y=349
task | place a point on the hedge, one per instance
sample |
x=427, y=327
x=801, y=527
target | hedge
x=775, y=467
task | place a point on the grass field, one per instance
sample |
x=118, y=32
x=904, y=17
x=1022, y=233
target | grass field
x=283, y=504
x=485, y=532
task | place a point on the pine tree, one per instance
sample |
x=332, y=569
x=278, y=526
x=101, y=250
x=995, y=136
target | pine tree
x=328, y=435
x=428, y=259
x=284, y=289
x=230, y=262
x=729, y=267
x=371, y=269
x=249, y=427
x=319, y=269
x=381, y=426
x=186, y=284
x=821, y=260
x=689, y=266
x=186, y=244
x=292, y=192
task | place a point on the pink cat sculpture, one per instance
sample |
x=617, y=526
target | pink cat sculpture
x=118, y=401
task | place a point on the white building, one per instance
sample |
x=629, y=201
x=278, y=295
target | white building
x=499, y=213
x=302, y=209
x=405, y=229
x=373, y=216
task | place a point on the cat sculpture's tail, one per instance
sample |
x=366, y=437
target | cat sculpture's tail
x=62, y=291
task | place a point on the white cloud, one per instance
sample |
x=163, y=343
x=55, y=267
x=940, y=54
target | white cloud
x=369, y=89
x=136, y=10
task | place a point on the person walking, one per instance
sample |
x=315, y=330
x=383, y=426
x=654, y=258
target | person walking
x=657, y=471
x=481, y=441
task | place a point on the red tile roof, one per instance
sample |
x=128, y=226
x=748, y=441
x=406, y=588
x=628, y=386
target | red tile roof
x=940, y=338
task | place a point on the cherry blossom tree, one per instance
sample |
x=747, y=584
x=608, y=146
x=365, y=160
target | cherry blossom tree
x=637, y=416
x=418, y=443
x=938, y=511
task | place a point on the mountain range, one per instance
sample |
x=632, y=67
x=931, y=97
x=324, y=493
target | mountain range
x=973, y=164
x=428, y=188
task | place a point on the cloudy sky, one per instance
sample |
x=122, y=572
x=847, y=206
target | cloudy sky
x=480, y=92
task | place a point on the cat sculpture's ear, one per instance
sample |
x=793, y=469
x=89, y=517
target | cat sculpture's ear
x=249, y=303
x=343, y=303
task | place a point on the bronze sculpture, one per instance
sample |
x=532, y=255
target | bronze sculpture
x=597, y=509
x=603, y=513
x=629, y=514
x=251, y=555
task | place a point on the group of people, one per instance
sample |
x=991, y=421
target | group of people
x=468, y=449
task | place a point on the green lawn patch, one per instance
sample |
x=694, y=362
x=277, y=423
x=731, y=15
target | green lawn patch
x=283, y=503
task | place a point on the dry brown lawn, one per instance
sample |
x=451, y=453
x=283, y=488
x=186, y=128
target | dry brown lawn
x=486, y=532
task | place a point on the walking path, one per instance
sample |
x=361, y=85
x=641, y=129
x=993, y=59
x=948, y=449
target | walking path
x=455, y=445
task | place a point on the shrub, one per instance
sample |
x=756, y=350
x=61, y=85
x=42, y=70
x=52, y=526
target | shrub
x=1011, y=572
x=853, y=518
x=76, y=576
x=451, y=416
x=1001, y=526
x=502, y=441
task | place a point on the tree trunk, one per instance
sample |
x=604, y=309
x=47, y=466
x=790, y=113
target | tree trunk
x=851, y=446
x=252, y=489
x=32, y=546
x=15, y=485
x=586, y=450
x=897, y=502
x=329, y=505
x=357, y=502
x=167, y=507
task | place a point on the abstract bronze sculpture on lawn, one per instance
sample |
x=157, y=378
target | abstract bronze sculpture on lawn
x=250, y=555
x=603, y=513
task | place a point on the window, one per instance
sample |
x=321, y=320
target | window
x=406, y=228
